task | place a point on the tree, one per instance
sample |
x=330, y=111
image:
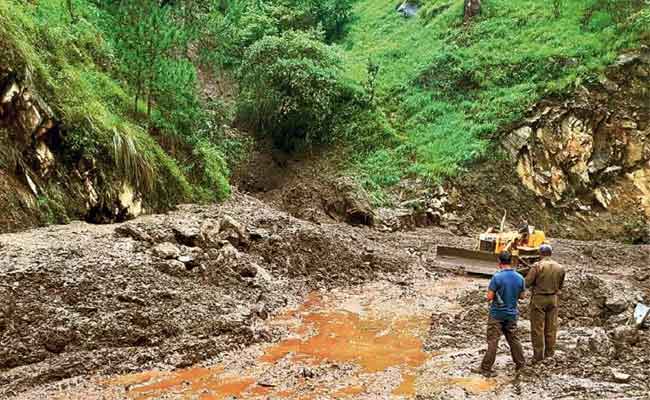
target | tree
x=472, y=9
x=70, y=7
x=290, y=87
x=150, y=40
x=557, y=8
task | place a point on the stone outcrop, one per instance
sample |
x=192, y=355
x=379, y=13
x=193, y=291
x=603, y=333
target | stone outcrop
x=38, y=173
x=408, y=9
x=593, y=150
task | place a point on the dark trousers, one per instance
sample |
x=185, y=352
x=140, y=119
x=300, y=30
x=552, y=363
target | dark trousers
x=543, y=325
x=508, y=328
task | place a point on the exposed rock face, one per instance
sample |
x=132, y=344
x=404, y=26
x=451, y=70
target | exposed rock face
x=39, y=179
x=592, y=151
x=130, y=201
x=408, y=9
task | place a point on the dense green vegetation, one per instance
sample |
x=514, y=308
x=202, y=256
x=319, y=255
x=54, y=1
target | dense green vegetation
x=116, y=79
x=420, y=97
x=452, y=87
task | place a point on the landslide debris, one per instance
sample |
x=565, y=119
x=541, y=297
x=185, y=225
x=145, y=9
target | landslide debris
x=599, y=351
x=164, y=291
x=169, y=291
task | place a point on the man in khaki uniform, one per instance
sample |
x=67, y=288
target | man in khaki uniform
x=546, y=279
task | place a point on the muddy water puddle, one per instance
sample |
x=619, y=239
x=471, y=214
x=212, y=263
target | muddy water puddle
x=359, y=343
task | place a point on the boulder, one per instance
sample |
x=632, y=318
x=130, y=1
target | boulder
x=166, y=251
x=516, y=140
x=57, y=340
x=187, y=235
x=603, y=197
x=263, y=275
x=231, y=229
x=129, y=230
x=350, y=203
x=620, y=377
x=616, y=304
x=173, y=268
x=8, y=95
x=227, y=253
x=209, y=234
x=130, y=202
x=625, y=335
x=44, y=158
x=472, y=9
x=408, y=9
x=595, y=341
x=248, y=271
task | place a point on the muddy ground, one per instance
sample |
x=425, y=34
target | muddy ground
x=243, y=300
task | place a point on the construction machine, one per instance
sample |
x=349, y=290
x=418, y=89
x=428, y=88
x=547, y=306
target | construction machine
x=523, y=244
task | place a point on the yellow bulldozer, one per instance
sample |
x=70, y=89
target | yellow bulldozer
x=523, y=244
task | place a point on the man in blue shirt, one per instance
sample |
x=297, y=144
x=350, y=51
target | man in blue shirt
x=504, y=291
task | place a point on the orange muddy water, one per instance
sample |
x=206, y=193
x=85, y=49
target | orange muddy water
x=375, y=333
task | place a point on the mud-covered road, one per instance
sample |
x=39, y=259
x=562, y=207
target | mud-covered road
x=244, y=301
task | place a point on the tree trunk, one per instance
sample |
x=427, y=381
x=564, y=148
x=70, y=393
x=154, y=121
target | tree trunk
x=73, y=17
x=472, y=9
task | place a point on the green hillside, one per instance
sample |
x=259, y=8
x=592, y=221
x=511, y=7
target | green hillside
x=450, y=87
x=73, y=55
x=422, y=97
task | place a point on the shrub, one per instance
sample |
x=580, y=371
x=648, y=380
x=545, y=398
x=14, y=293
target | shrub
x=209, y=169
x=289, y=88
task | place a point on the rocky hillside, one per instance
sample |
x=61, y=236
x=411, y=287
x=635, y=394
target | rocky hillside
x=589, y=153
x=78, y=140
x=38, y=184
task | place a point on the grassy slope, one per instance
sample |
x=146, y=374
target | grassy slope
x=70, y=65
x=450, y=88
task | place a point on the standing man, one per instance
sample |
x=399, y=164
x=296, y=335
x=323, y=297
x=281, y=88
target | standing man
x=504, y=291
x=546, y=279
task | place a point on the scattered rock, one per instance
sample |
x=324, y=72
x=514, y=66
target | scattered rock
x=620, y=377
x=625, y=335
x=132, y=231
x=616, y=304
x=166, y=251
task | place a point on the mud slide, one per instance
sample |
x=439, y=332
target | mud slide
x=241, y=301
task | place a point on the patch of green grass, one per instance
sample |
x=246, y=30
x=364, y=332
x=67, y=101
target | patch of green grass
x=451, y=88
x=72, y=66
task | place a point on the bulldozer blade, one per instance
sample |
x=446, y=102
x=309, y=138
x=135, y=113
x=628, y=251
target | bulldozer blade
x=470, y=261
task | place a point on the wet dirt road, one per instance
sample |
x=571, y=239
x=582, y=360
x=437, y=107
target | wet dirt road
x=362, y=343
